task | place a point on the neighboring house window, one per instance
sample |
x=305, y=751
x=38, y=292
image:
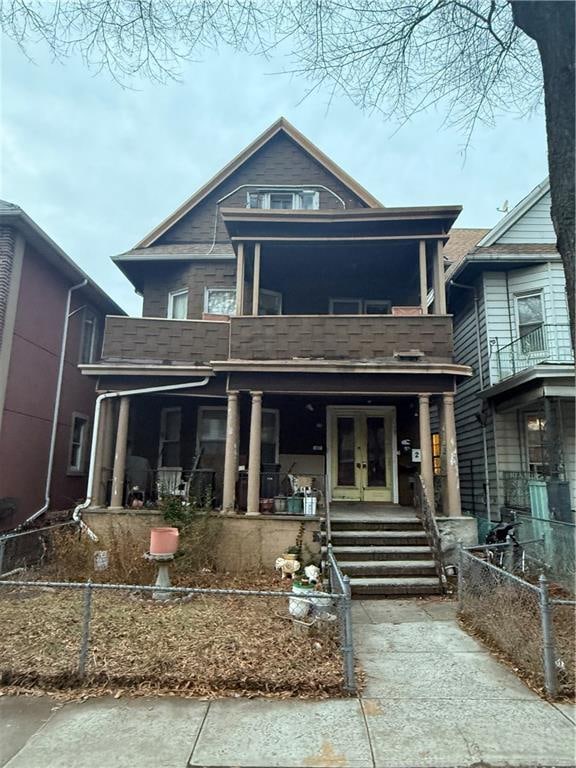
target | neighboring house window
x=282, y=199
x=178, y=304
x=78, y=443
x=88, y=346
x=436, y=453
x=269, y=303
x=530, y=312
x=535, y=445
x=220, y=301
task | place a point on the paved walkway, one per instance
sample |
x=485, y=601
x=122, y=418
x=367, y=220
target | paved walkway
x=434, y=698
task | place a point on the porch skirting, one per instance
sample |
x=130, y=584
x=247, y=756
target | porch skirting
x=245, y=544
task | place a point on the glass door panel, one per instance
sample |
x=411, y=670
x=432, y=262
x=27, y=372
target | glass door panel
x=375, y=452
x=346, y=440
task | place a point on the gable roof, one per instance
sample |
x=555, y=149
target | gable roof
x=515, y=214
x=461, y=241
x=13, y=215
x=281, y=125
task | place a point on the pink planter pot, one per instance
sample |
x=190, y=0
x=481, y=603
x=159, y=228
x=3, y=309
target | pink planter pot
x=163, y=541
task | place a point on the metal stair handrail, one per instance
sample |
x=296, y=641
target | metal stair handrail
x=430, y=524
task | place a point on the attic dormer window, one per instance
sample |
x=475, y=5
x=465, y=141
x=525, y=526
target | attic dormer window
x=284, y=200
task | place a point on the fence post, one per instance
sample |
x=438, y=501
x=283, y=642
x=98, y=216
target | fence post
x=347, y=640
x=549, y=652
x=460, y=574
x=509, y=554
x=86, y=615
x=2, y=549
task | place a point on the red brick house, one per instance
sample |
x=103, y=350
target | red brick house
x=51, y=319
x=311, y=320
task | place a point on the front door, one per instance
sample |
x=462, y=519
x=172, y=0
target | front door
x=361, y=454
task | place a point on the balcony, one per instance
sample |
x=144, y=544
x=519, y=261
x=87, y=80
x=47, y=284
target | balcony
x=341, y=337
x=157, y=341
x=377, y=338
x=547, y=344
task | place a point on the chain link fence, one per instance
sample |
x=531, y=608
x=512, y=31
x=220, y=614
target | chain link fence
x=25, y=549
x=533, y=629
x=62, y=635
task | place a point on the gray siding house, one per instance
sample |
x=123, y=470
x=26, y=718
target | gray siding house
x=515, y=415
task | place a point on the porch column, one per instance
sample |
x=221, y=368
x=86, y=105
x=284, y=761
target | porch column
x=97, y=492
x=439, y=284
x=231, y=454
x=256, y=280
x=254, y=455
x=423, y=278
x=120, y=454
x=426, y=467
x=452, y=502
x=240, y=280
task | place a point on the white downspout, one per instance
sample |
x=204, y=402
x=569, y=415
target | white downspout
x=56, y=407
x=77, y=514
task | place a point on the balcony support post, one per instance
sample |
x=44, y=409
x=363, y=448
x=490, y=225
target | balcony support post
x=254, y=455
x=426, y=466
x=423, y=277
x=119, y=473
x=452, y=500
x=439, y=283
x=256, y=280
x=231, y=454
x=240, y=280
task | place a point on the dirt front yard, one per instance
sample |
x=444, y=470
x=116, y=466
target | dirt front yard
x=198, y=645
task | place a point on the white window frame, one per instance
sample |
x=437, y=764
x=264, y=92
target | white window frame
x=531, y=415
x=201, y=413
x=337, y=299
x=528, y=295
x=208, y=290
x=296, y=198
x=89, y=317
x=80, y=467
x=171, y=296
x=267, y=292
x=162, y=440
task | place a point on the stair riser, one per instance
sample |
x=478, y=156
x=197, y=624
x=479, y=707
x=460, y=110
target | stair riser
x=378, y=540
x=429, y=571
x=392, y=590
x=424, y=554
x=375, y=525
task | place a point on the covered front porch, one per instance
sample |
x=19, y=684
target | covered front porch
x=261, y=444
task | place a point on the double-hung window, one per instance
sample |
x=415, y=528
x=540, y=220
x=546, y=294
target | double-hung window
x=89, y=343
x=530, y=313
x=220, y=301
x=284, y=200
x=178, y=304
x=78, y=443
x=536, y=445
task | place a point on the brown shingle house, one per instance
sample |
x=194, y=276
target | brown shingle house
x=312, y=321
x=51, y=319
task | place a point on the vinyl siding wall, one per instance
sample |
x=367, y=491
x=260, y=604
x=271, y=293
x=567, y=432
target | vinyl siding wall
x=500, y=289
x=468, y=404
x=534, y=227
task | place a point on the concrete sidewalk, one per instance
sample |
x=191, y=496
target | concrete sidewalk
x=434, y=698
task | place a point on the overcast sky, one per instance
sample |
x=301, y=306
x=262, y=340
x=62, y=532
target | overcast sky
x=98, y=166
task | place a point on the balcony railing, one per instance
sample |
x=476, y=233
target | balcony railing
x=340, y=337
x=547, y=344
x=279, y=337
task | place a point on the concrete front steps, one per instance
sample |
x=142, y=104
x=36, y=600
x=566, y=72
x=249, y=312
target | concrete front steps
x=384, y=555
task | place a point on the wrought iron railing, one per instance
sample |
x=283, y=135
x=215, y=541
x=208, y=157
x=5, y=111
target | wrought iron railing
x=430, y=524
x=546, y=344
